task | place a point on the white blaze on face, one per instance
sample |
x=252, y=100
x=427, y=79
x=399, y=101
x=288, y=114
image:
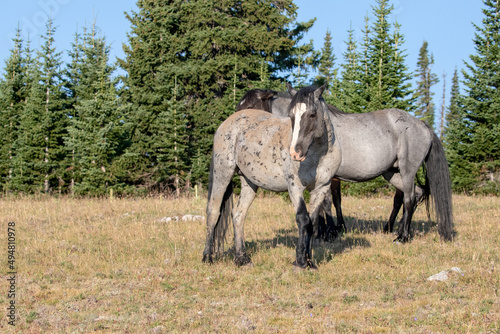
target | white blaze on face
x=299, y=110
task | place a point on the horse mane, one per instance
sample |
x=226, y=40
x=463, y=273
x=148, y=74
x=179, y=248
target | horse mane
x=285, y=95
x=307, y=90
x=334, y=110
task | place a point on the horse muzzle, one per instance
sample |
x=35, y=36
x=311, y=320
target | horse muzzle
x=296, y=156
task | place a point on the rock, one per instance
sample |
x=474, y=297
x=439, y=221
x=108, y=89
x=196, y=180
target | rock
x=169, y=219
x=185, y=218
x=190, y=218
x=443, y=276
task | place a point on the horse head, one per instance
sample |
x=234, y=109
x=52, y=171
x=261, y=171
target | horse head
x=257, y=99
x=306, y=112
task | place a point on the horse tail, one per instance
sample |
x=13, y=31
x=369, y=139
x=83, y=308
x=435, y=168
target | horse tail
x=222, y=225
x=439, y=185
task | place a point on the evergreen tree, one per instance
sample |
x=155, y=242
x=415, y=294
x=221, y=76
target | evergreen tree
x=426, y=79
x=386, y=76
x=327, y=72
x=40, y=149
x=326, y=66
x=401, y=88
x=305, y=59
x=215, y=50
x=376, y=77
x=12, y=95
x=95, y=131
x=481, y=102
x=456, y=140
x=351, y=88
x=172, y=143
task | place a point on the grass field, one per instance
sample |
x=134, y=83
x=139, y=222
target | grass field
x=101, y=265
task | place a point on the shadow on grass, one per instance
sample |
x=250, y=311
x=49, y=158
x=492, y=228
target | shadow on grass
x=324, y=251
x=356, y=225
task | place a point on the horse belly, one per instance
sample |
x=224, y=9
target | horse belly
x=365, y=161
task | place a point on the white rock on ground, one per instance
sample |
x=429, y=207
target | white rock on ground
x=443, y=276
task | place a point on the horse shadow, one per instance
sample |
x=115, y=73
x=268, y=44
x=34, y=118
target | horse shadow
x=354, y=237
x=359, y=225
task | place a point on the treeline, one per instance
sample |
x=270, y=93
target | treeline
x=79, y=128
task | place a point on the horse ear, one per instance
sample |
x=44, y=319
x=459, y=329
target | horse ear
x=290, y=89
x=319, y=91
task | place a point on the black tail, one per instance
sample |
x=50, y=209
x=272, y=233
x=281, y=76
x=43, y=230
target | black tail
x=224, y=219
x=438, y=177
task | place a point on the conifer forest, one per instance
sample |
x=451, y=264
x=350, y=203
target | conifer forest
x=144, y=124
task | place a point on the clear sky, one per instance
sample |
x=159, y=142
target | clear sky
x=445, y=24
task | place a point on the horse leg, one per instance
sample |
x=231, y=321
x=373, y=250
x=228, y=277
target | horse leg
x=329, y=232
x=398, y=202
x=219, y=188
x=247, y=195
x=318, y=201
x=407, y=186
x=319, y=230
x=337, y=202
x=305, y=227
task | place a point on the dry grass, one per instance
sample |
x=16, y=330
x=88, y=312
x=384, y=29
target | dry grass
x=111, y=266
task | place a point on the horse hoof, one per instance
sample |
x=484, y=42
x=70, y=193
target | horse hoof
x=311, y=265
x=299, y=266
x=243, y=260
x=207, y=259
x=401, y=240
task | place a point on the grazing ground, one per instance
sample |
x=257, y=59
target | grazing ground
x=111, y=265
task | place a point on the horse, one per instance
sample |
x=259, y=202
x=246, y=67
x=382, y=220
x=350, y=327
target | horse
x=277, y=103
x=291, y=154
x=394, y=144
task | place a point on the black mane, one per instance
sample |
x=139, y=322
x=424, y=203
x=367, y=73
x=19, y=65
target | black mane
x=257, y=99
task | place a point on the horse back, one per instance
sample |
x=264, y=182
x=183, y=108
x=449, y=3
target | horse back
x=377, y=141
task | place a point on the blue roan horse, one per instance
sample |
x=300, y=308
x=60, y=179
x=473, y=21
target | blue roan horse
x=387, y=142
x=276, y=154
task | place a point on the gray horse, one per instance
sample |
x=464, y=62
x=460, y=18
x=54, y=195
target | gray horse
x=276, y=154
x=394, y=144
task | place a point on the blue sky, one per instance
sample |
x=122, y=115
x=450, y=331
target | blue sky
x=445, y=24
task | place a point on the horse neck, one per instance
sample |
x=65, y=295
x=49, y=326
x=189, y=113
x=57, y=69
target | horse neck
x=328, y=126
x=280, y=105
x=324, y=138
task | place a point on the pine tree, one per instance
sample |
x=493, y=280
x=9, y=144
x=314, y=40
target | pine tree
x=443, y=109
x=306, y=59
x=386, y=78
x=456, y=140
x=215, y=50
x=95, y=130
x=481, y=102
x=401, y=88
x=327, y=72
x=426, y=79
x=12, y=95
x=172, y=143
x=40, y=149
x=376, y=77
x=350, y=86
